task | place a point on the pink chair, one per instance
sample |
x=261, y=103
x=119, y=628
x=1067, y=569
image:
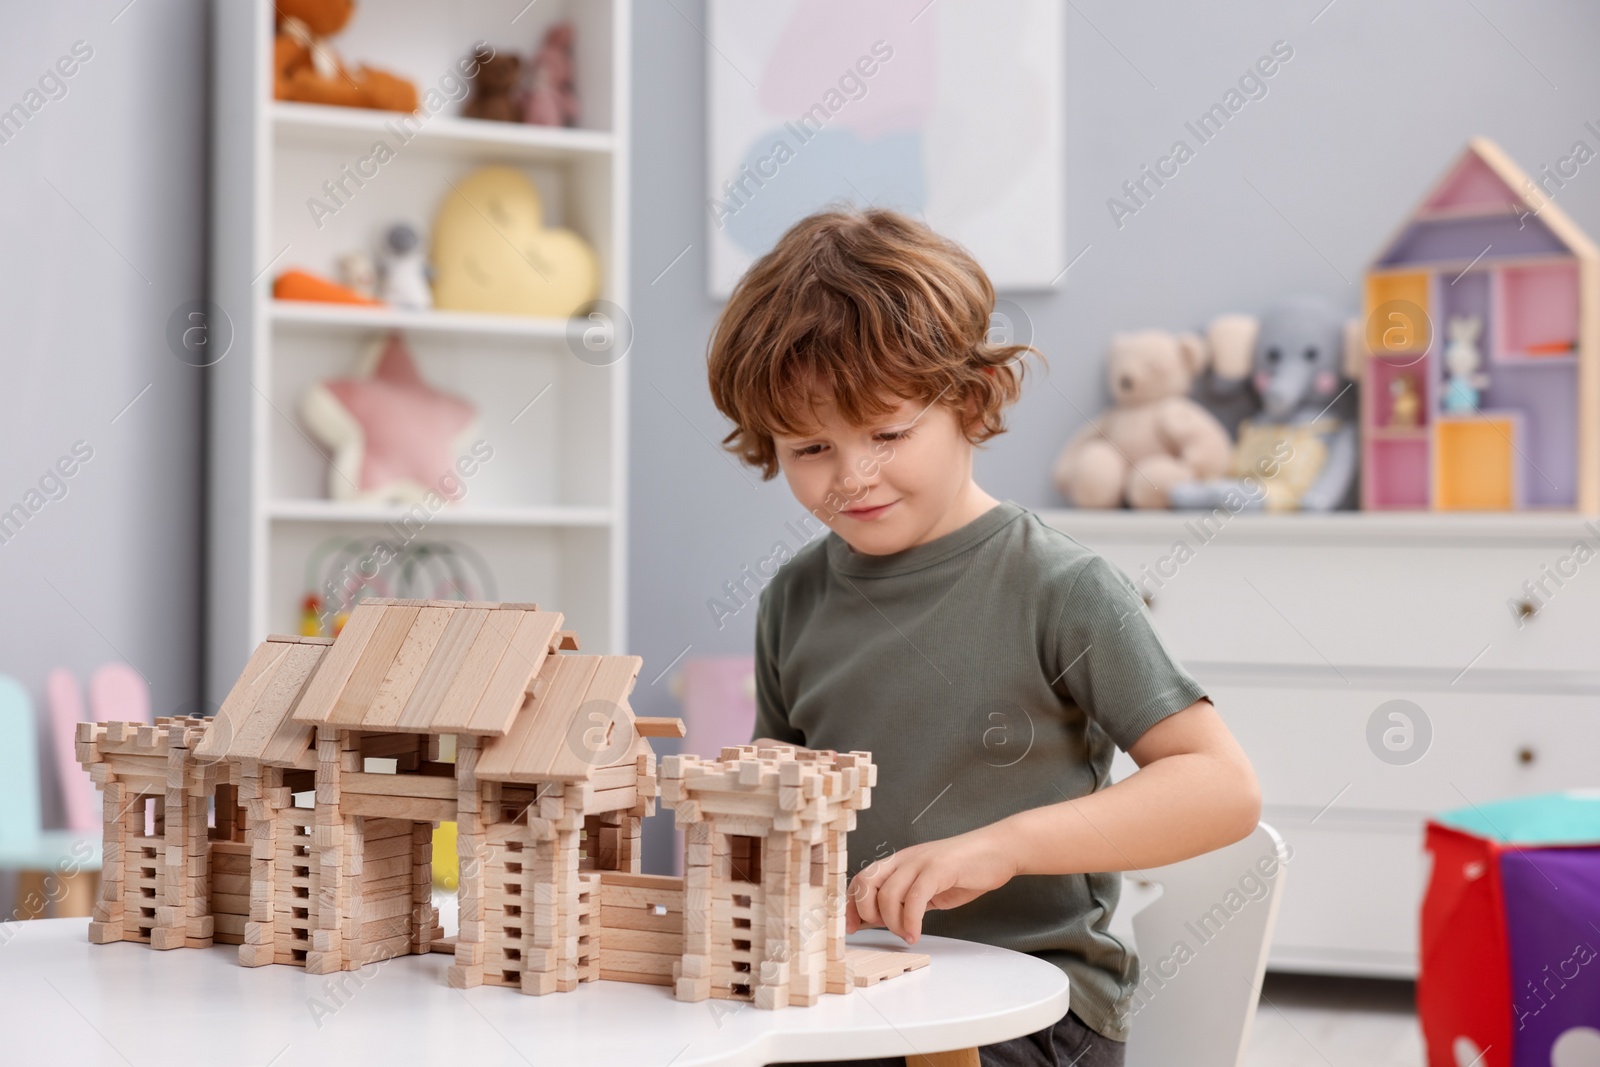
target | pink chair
x=117, y=692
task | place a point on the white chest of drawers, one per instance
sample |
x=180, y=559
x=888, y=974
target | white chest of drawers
x=1302, y=627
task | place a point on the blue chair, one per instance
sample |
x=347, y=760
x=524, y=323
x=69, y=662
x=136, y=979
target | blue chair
x=55, y=867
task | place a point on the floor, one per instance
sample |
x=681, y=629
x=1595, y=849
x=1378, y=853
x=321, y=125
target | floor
x=1306, y=1021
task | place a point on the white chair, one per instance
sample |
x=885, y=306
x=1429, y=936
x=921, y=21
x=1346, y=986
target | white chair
x=1202, y=951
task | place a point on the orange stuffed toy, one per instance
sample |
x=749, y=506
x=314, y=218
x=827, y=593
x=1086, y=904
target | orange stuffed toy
x=306, y=69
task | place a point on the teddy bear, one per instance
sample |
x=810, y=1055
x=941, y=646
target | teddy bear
x=552, y=98
x=1154, y=436
x=308, y=70
x=494, y=88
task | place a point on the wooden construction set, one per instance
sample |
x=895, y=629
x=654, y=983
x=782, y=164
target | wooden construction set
x=1481, y=389
x=323, y=771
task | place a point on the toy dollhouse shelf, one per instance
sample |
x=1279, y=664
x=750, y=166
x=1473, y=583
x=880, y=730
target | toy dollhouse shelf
x=356, y=128
x=360, y=319
x=1507, y=415
x=299, y=187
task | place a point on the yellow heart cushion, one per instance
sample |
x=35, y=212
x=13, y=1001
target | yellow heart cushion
x=492, y=252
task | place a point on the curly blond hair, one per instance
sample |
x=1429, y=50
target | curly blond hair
x=868, y=307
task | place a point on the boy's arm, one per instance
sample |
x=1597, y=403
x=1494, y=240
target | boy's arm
x=1195, y=791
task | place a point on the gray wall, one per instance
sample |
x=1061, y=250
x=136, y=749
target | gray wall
x=102, y=215
x=1294, y=195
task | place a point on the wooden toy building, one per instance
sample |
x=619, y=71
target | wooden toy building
x=1482, y=386
x=323, y=769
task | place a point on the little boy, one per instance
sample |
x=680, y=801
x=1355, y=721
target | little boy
x=987, y=661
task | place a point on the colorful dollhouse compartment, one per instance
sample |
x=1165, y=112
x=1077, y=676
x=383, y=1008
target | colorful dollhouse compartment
x=1476, y=461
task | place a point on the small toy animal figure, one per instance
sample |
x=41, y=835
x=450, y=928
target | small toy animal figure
x=405, y=270
x=1464, y=383
x=359, y=274
x=494, y=87
x=1404, y=403
x=552, y=99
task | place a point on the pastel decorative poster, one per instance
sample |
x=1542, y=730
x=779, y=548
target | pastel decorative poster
x=950, y=112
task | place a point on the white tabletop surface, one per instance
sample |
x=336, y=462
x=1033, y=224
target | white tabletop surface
x=63, y=1000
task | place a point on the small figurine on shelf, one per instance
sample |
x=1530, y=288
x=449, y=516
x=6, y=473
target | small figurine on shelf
x=359, y=274
x=552, y=99
x=494, y=86
x=311, y=616
x=405, y=269
x=1404, y=403
x=1464, y=384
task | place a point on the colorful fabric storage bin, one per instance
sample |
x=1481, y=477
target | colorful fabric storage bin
x=1510, y=969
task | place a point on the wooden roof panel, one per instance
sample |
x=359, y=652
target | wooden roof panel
x=548, y=740
x=416, y=666
x=355, y=699
x=255, y=721
x=524, y=657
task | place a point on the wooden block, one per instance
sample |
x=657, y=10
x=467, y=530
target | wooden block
x=417, y=809
x=255, y=955
x=690, y=988
x=460, y=977
x=641, y=979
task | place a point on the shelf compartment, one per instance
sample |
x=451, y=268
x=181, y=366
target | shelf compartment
x=1546, y=392
x=1397, y=332
x=1383, y=372
x=1395, y=473
x=321, y=209
x=1536, y=305
x=546, y=415
x=1476, y=462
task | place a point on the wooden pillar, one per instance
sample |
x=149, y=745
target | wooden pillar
x=835, y=881
x=473, y=852
x=422, y=914
x=262, y=792
x=693, y=971
x=770, y=974
x=567, y=906
x=335, y=850
x=107, y=923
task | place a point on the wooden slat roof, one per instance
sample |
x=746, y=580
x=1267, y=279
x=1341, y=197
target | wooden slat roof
x=256, y=720
x=431, y=666
x=579, y=722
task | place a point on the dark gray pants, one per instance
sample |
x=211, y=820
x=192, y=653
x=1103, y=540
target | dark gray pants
x=1068, y=1043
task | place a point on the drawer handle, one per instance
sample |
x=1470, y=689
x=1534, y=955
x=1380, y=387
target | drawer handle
x=1526, y=755
x=1149, y=601
x=1527, y=609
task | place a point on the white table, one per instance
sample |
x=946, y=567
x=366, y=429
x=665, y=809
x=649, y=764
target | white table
x=63, y=1000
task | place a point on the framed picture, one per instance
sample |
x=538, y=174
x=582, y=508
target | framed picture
x=951, y=112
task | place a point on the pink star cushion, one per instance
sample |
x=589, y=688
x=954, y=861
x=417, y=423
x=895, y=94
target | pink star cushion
x=395, y=438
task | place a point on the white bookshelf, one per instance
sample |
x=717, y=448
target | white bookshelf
x=547, y=515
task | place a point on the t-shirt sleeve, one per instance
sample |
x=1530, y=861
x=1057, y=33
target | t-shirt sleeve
x=772, y=717
x=1111, y=662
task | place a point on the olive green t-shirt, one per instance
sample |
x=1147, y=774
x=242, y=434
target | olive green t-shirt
x=988, y=671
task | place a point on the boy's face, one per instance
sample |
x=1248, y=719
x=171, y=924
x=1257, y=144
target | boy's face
x=900, y=481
